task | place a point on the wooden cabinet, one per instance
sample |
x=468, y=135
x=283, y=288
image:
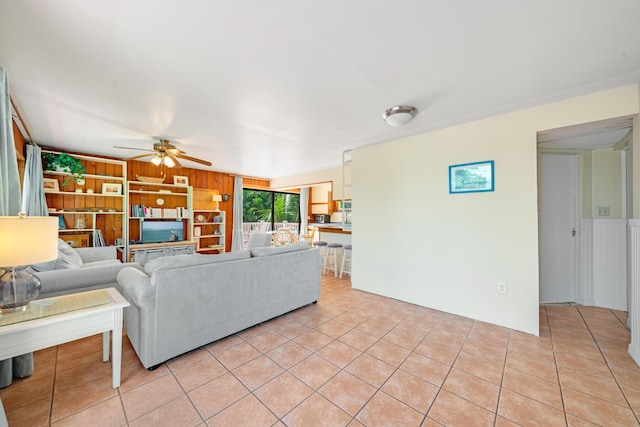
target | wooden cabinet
x=209, y=230
x=91, y=213
x=154, y=202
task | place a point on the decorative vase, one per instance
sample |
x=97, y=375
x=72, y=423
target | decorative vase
x=17, y=289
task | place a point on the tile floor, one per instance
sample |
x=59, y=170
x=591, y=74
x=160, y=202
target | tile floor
x=353, y=359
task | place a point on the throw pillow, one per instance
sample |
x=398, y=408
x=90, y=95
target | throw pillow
x=67, y=257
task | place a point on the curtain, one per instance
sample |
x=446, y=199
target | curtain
x=304, y=210
x=20, y=366
x=236, y=237
x=33, y=200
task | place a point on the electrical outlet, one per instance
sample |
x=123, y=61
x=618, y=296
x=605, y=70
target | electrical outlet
x=602, y=211
x=502, y=288
x=366, y=266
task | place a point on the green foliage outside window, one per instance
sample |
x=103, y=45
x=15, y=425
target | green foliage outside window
x=257, y=206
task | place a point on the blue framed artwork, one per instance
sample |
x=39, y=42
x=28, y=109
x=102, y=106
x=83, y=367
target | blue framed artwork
x=471, y=177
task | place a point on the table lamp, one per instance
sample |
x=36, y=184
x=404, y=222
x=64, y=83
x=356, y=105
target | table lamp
x=25, y=240
x=217, y=198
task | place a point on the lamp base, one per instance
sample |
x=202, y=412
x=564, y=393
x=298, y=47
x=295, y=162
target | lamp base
x=18, y=288
x=217, y=209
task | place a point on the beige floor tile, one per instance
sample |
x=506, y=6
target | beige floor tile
x=358, y=339
x=35, y=414
x=543, y=369
x=178, y=412
x=347, y=392
x=547, y=392
x=387, y=352
x=150, y=396
x=314, y=371
x=440, y=352
x=22, y=393
x=524, y=411
x=247, y=411
x=370, y=369
x=338, y=353
x=596, y=410
x=267, y=341
x=214, y=396
x=403, y=339
x=451, y=410
x=200, y=372
x=237, y=355
x=135, y=376
x=288, y=354
x=187, y=359
x=257, y=372
x=253, y=331
x=109, y=412
x=450, y=338
x=375, y=328
x=384, y=410
x=223, y=344
x=411, y=390
x=602, y=388
x=313, y=340
x=76, y=399
x=333, y=328
x=428, y=369
x=479, y=367
x=474, y=389
x=316, y=411
x=283, y=393
x=495, y=353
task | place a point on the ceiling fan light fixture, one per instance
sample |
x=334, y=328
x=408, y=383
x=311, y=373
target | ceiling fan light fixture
x=156, y=160
x=399, y=115
x=168, y=162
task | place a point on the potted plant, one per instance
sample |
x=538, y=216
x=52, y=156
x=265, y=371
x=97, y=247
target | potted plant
x=63, y=162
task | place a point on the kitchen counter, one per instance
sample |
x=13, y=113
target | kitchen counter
x=331, y=232
x=331, y=227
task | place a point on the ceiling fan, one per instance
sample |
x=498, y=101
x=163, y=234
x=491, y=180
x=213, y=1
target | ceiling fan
x=165, y=153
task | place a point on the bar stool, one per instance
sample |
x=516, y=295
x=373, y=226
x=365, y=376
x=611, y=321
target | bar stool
x=323, y=251
x=332, y=249
x=346, y=256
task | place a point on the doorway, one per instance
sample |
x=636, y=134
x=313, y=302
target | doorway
x=558, y=227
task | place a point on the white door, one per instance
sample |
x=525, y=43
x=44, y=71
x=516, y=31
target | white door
x=558, y=225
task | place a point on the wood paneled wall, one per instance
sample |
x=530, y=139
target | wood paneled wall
x=198, y=179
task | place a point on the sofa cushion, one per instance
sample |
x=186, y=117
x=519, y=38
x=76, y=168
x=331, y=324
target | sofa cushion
x=67, y=257
x=274, y=250
x=259, y=240
x=43, y=266
x=101, y=262
x=175, y=261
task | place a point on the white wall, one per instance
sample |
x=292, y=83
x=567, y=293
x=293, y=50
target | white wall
x=607, y=181
x=449, y=251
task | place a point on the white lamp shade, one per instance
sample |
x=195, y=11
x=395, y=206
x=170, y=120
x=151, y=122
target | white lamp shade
x=28, y=240
x=216, y=198
x=156, y=160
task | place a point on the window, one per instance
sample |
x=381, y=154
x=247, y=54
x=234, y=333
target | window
x=271, y=207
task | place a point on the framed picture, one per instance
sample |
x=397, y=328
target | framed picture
x=51, y=185
x=111, y=189
x=180, y=180
x=471, y=177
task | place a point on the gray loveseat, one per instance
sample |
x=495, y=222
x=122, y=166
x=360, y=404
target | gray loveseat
x=183, y=302
x=79, y=270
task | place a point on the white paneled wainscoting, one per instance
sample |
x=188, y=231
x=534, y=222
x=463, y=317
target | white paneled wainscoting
x=604, y=263
x=634, y=281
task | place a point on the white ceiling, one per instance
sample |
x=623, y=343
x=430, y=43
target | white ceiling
x=278, y=88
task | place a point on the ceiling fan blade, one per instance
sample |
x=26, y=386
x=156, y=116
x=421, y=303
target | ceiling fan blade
x=178, y=164
x=140, y=156
x=193, y=159
x=132, y=148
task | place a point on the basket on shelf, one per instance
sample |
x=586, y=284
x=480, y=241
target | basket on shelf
x=150, y=179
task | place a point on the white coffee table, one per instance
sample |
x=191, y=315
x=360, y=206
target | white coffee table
x=57, y=320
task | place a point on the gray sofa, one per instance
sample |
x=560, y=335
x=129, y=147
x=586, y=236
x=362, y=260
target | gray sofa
x=79, y=270
x=183, y=302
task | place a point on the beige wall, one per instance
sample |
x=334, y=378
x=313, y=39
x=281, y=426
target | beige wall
x=607, y=182
x=449, y=251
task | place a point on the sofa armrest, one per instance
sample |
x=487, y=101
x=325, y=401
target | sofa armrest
x=71, y=278
x=136, y=287
x=97, y=254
